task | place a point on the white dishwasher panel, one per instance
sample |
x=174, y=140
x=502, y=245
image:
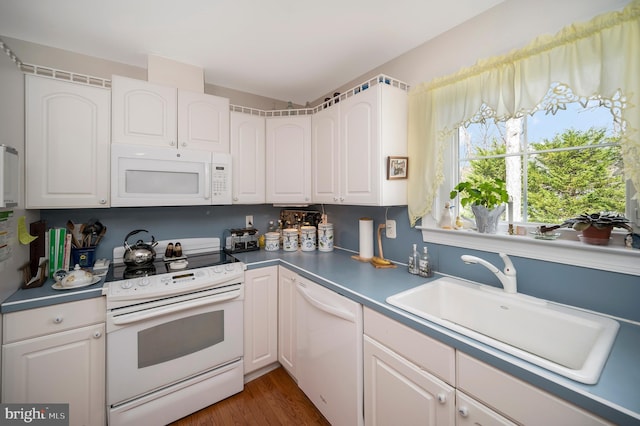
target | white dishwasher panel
x=329, y=352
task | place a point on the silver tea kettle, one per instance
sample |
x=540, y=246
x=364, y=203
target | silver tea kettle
x=140, y=253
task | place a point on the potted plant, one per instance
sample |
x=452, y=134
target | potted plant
x=487, y=200
x=595, y=227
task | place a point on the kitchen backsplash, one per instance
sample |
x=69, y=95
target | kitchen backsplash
x=608, y=292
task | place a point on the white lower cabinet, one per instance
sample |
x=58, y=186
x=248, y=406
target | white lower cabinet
x=287, y=319
x=399, y=392
x=408, y=377
x=56, y=354
x=260, y=318
x=520, y=401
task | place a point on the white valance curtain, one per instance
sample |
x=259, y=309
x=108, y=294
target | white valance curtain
x=598, y=58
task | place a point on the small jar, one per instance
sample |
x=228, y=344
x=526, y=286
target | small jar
x=308, y=238
x=325, y=237
x=272, y=241
x=290, y=239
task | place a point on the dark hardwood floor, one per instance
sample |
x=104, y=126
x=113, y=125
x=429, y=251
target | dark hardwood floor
x=272, y=399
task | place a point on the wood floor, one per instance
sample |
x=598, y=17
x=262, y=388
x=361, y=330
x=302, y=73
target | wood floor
x=272, y=399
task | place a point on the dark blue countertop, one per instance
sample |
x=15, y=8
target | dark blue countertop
x=615, y=397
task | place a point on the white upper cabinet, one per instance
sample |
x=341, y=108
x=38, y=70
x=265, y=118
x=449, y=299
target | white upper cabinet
x=151, y=114
x=248, y=156
x=67, y=144
x=288, y=166
x=325, y=156
x=203, y=121
x=352, y=141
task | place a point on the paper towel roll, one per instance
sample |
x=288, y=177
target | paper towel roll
x=366, y=238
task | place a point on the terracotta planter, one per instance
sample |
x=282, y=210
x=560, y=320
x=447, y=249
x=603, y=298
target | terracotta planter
x=596, y=236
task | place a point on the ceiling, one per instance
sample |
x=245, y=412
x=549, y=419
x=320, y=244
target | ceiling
x=295, y=50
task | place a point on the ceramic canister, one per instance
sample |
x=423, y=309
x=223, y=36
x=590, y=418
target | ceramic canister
x=325, y=237
x=272, y=241
x=308, y=238
x=290, y=239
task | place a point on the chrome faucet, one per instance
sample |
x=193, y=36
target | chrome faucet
x=507, y=279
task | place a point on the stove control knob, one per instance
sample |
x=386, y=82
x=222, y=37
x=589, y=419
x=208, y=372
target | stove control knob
x=229, y=266
x=217, y=269
x=127, y=284
x=145, y=281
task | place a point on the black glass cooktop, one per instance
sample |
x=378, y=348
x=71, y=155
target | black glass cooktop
x=163, y=266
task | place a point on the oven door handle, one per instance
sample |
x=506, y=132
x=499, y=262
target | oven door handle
x=165, y=310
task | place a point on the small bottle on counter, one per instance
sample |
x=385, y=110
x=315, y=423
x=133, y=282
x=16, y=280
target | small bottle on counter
x=414, y=259
x=424, y=266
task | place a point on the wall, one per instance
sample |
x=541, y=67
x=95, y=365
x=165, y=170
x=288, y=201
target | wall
x=507, y=26
x=12, y=134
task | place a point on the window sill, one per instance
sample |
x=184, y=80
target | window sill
x=565, y=250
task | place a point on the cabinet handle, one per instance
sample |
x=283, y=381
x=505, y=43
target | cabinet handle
x=442, y=398
x=463, y=411
x=172, y=143
x=103, y=201
x=58, y=319
x=335, y=198
x=184, y=144
x=97, y=334
x=341, y=198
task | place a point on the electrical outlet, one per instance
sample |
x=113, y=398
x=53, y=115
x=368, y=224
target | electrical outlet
x=249, y=221
x=390, y=228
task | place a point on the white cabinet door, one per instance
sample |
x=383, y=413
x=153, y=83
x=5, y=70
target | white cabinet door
x=248, y=156
x=152, y=114
x=396, y=390
x=359, y=141
x=203, y=122
x=66, y=367
x=288, y=155
x=143, y=113
x=325, y=156
x=260, y=318
x=67, y=144
x=287, y=319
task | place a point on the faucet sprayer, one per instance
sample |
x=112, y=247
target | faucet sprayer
x=507, y=278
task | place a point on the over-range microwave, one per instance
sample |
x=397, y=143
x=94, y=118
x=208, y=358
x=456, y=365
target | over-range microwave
x=150, y=176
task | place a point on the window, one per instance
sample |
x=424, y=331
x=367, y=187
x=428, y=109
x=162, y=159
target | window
x=561, y=160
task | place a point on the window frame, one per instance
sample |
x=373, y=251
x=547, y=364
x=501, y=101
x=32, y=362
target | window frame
x=567, y=249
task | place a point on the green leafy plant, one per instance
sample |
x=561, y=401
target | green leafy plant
x=489, y=193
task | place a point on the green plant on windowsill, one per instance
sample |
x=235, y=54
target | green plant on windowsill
x=489, y=193
x=487, y=200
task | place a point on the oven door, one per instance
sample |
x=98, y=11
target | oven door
x=152, y=349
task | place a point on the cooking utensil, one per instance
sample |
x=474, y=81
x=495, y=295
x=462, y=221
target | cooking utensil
x=140, y=253
x=72, y=230
x=100, y=235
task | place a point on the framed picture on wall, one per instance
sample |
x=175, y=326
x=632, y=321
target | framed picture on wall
x=397, y=167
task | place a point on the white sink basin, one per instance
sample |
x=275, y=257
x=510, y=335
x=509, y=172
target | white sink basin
x=567, y=341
